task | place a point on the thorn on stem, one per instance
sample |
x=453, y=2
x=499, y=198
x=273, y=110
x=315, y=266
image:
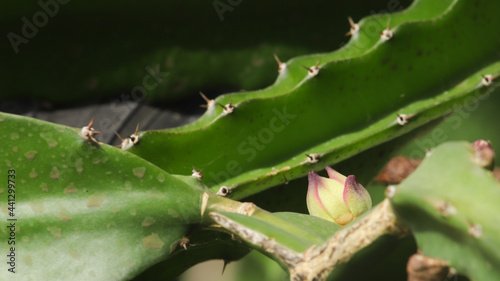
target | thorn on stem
x=286, y=180
x=488, y=79
x=197, y=174
x=402, y=119
x=224, y=267
x=88, y=133
x=354, y=27
x=228, y=108
x=281, y=65
x=387, y=33
x=184, y=243
x=313, y=70
x=313, y=157
x=129, y=141
x=209, y=101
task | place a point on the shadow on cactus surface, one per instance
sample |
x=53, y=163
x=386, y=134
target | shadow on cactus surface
x=88, y=211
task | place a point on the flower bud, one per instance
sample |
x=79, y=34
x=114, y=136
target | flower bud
x=338, y=198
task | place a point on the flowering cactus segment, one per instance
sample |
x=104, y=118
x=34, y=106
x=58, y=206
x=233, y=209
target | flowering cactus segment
x=338, y=198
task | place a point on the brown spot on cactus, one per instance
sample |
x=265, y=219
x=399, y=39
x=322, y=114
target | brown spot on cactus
x=139, y=172
x=148, y=221
x=71, y=188
x=96, y=199
x=30, y=155
x=153, y=241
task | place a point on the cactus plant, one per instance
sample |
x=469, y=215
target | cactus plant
x=121, y=213
x=247, y=160
x=449, y=211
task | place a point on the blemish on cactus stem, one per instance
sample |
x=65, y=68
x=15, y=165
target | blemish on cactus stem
x=71, y=188
x=387, y=33
x=313, y=157
x=152, y=241
x=64, y=214
x=228, y=108
x=223, y=191
x=428, y=153
x=49, y=139
x=354, y=27
x=139, y=172
x=54, y=173
x=88, y=133
x=246, y=209
x=488, y=79
x=476, y=231
x=204, y=202
x=281, y=65
x=33, y=173
x=446, y=209
x=160, y=178
x=274, y=171
x=197, y=174
x=30, y=154
x=184, y=243
x=28, y=260
x=313, y=70
x=96, y=199
x=56, y=231
x=79, y=165
x=390, y=191
x=128, y=186
x=14, y=136
x=37, y=206
x=148, y=221
x=209, y=102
